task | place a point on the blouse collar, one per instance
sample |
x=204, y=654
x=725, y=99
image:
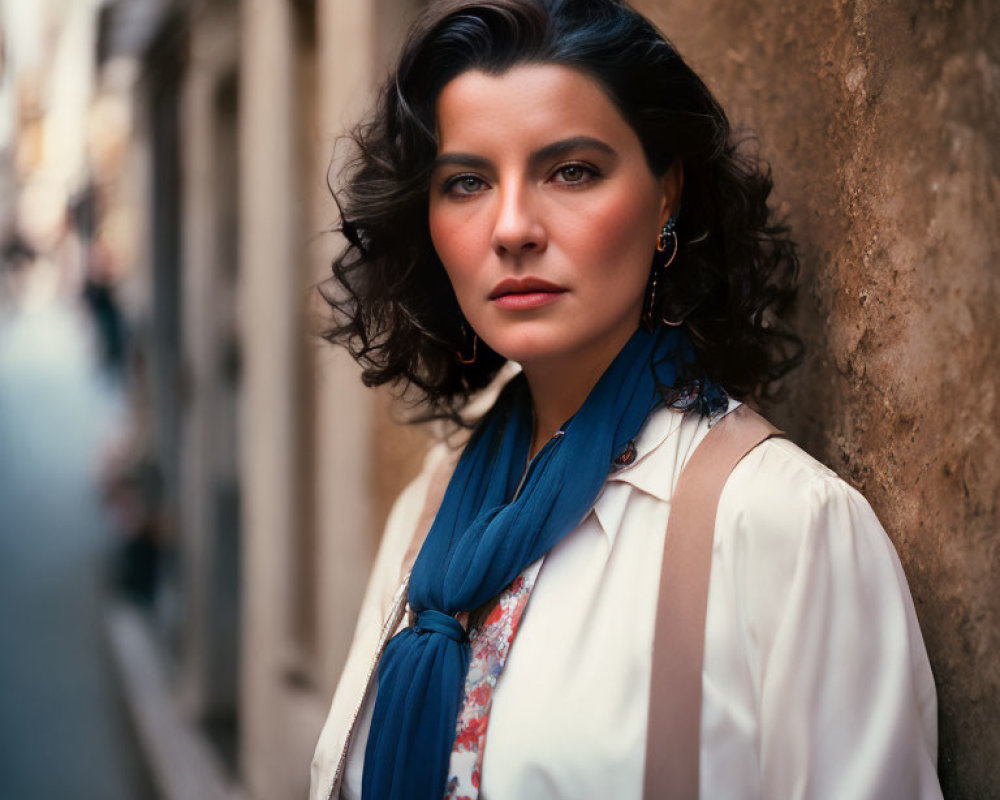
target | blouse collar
x=661, y=450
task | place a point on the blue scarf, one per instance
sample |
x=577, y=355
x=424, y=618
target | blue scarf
x=490, y=526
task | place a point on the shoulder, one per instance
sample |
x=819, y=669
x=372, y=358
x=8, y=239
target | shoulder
x=410, y=501
x=404, y=519
x=779, y=479
x=782, y=505
x=783, y=494
x=791, y=537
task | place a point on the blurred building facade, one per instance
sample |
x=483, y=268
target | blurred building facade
x=46, y=82
x=194, y=171
x=215, y=126
x=181, y=149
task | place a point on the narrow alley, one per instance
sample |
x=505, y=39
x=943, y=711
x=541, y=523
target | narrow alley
x=63, y=731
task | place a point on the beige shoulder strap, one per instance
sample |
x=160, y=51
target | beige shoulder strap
x=674, y=735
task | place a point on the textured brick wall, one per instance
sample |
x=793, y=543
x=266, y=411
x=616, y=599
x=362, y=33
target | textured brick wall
x=881, y=122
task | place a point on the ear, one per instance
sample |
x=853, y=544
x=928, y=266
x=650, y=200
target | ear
x=671, y=188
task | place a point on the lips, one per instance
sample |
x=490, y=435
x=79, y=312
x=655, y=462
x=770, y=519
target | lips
x=517, y=294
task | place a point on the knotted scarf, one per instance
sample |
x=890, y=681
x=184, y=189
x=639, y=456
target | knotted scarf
x=491, y=524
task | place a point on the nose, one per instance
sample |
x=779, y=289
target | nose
x=518, y=228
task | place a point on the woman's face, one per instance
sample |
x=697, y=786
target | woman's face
x=545, y=213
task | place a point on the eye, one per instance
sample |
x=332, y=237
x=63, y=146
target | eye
x=464, y=185
x=576, y=172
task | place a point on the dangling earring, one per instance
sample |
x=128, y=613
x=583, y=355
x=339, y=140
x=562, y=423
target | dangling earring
x=647, y=315
x=475, y=342
x=667, y=232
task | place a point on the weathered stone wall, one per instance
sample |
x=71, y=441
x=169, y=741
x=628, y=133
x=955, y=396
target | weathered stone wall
x=881, y=122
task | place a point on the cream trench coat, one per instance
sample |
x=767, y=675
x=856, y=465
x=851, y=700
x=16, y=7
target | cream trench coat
x=816, y=683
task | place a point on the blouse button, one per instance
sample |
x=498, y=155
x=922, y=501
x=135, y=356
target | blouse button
x=626, y=456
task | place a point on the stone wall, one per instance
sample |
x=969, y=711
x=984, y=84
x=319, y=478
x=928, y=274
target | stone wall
x=881, y=122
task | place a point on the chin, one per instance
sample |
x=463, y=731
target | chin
x=538, y=348
x=527, y=349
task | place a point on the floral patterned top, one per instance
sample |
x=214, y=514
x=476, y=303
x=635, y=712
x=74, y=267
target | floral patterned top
x=490, y=641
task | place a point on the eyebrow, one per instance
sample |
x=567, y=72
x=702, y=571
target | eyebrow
x=549, y=151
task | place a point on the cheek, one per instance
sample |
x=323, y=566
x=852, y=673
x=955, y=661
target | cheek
x=456, y=241
x=618, y=237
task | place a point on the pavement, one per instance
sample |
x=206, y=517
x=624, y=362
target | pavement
x=64, y=731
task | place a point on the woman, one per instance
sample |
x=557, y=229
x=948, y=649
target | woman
x=548, y=183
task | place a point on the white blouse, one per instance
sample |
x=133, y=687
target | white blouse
x=816, y=683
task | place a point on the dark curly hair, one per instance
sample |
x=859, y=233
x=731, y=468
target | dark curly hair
x=734, y=272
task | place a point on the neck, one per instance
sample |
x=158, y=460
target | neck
x=560, y=387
